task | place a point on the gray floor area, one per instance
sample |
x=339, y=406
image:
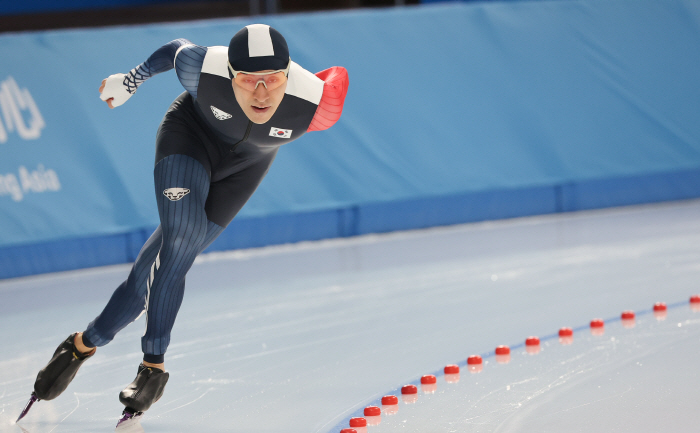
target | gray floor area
x=299, y=338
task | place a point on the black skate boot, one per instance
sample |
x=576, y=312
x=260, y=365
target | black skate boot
x=55, y=377
x=145, y=390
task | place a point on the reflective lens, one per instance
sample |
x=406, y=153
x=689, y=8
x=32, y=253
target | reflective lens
x=252, y=81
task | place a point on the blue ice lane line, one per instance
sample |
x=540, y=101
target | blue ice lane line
x=438, y=373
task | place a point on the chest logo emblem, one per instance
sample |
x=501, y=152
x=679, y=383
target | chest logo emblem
x=280, y=133
x=220, y=114
x=175, y=194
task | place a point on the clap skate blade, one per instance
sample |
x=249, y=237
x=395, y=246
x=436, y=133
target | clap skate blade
x=31, y=401
x=130, y=422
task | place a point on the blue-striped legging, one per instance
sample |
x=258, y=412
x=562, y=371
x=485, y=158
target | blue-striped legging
x=156, y=283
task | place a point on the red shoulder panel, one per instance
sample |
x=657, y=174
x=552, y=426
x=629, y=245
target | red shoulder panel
x=331, y=106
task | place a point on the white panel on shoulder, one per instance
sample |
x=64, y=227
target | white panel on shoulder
x=303, y=84
x=216, y=61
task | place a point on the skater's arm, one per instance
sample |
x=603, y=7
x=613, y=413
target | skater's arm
x=118, y=88
x=335, y=87
x=160, y=61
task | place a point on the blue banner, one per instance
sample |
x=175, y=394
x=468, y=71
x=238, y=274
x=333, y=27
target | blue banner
x=456, y=112
x=56, y=180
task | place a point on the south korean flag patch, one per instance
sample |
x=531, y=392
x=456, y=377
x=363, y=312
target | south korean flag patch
x=280, y=133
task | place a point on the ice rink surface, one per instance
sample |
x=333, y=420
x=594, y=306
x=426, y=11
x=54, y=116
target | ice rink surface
x=299, y=338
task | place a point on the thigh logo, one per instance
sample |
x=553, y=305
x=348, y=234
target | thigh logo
x=175, y=194
x=16, y=105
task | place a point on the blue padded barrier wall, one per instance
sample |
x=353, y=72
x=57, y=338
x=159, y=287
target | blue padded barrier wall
x=456, y=112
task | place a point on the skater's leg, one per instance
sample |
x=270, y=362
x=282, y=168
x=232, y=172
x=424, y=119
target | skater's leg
x=128, y=301
x=123, y=308
x=229, y=196
x=182, y=185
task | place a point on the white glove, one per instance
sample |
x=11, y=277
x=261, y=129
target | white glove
x=115, y=90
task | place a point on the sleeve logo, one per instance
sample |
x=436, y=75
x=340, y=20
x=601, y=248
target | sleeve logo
x=280, y=133
x=219, y=114
x=175, y=194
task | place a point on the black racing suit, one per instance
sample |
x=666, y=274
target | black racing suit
x=210, y=158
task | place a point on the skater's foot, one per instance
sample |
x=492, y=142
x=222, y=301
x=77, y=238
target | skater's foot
x=80, y=347
x=54, y=378
x=160, y=366
x=145, y=390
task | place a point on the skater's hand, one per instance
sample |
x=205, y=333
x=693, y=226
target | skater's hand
x=113, y=91
x=102, y=87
